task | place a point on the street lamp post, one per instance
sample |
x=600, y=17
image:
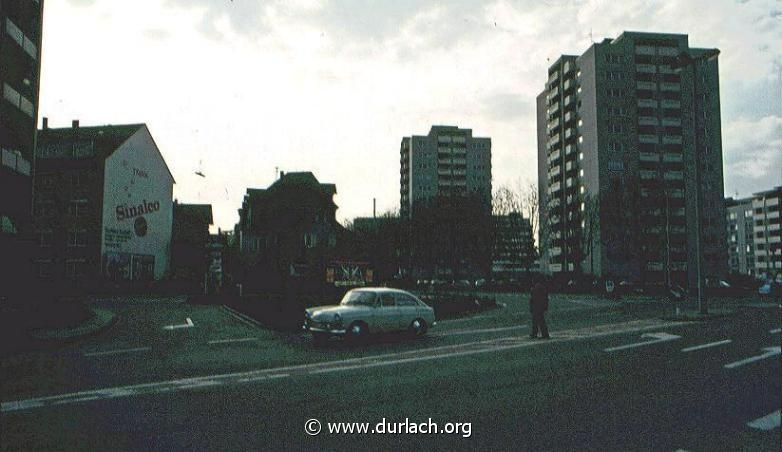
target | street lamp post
x=686, y=60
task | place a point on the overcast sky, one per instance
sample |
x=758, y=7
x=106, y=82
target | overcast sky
x=235, y=89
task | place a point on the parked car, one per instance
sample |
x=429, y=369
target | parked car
x=770, y=287
x=370, y=310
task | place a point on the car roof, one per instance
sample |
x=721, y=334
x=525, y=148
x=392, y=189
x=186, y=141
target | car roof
x=381, y=289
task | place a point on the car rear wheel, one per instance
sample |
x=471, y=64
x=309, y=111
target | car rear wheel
x=356, y=331
x=418, y=327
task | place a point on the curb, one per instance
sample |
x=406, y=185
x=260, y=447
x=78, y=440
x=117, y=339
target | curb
x=247, y=320
x=101, y=320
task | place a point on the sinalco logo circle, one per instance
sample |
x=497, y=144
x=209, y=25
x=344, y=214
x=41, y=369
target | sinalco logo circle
x=140, y=226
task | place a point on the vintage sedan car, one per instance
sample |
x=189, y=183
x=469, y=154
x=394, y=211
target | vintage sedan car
x=370, y=310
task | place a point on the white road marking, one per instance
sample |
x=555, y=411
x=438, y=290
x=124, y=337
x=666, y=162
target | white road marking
x=776, y=331
x=432, y=353
x=200, y=384
x=263, y=377
x=770, y=351
x=658, y=338
x=486, y=330
x=249, y=321
x=188, y=324
x=117, y=352
x=226, y=341
x=710, y=344
x=767, y=422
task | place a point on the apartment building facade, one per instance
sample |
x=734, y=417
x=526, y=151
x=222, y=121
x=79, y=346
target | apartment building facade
x=448, y=162
x=103, y=205
x=630, y=162
x=20, y=67
x=740, y=237
x=767, y=233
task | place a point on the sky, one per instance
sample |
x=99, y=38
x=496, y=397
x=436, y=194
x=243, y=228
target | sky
x=241, y=89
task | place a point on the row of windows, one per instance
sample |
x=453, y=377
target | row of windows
x=17, y=100
x=74, y=268
x=19, y=37
x=76, y=238
x=76, y=179
x=13, y=159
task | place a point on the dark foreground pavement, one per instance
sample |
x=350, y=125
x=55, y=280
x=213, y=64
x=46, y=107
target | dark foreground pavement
x=564, y=394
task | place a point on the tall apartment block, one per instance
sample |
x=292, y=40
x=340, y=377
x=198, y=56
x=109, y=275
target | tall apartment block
x=20, y=67
x=767, y=233
x=447, y=162
x=740, y=223
x=630, y=162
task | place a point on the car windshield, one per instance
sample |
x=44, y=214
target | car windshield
x=359, y=297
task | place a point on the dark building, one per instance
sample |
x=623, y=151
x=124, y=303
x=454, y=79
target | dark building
x=740, y=224
x=448, y=162
x=382, y=242
x=288, y=232
x=103, y=205
x=514, y=250
x=190, y=241
x=630, y=162
x=20, y=64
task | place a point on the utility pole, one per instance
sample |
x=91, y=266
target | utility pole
x=686, y=60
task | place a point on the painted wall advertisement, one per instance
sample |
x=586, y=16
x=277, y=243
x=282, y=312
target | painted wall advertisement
x=137, y=211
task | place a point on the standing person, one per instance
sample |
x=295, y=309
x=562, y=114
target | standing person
x=538, y=305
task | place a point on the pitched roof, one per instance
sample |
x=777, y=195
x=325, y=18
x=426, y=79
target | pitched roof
x=201, y=212
x=303, y=178
x=83, y=142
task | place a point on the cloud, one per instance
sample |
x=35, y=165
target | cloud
x=752, y=154
x=157, y=34
x=82, y=3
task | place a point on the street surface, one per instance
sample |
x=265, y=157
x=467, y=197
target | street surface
x=614, y=376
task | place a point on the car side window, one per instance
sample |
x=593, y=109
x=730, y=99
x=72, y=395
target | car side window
x=387, y=300
x=405, y=300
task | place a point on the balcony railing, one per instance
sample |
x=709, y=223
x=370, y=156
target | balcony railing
x=644, y=50
x=647, y=121
x=648, y=139
x=646, y=85
x=670, y=103
x=647, y=103
x=675, y=122
x=664, y=86
x=672, y=139
x=649, y=157
x=646, y=68
x=672, y=158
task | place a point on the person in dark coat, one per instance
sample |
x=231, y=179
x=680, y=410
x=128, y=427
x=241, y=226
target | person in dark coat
x=538, y=305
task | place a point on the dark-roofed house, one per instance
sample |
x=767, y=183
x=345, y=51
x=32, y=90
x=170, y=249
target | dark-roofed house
x=288, y=230
x=189, y=241
x=102, y=204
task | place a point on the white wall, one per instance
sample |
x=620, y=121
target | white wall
x=138, y=189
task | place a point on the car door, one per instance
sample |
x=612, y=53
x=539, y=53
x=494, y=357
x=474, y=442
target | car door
x=387, y=316
x=408, y=310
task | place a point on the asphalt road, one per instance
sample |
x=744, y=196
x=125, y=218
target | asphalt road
x=604, y=382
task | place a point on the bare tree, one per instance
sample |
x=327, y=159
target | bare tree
x=530, y=206
x=506, y=201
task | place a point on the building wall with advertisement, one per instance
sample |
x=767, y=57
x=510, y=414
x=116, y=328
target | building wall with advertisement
x=137, y=211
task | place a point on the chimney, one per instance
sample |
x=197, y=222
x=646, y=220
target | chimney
x=75, y=123
x=282, y=174
x=45, y=123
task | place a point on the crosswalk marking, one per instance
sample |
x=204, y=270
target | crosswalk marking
x=710, y=344
x=767, y=422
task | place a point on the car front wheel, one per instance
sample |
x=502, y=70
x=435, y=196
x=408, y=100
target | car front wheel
x=356, y=331
x=418, y=327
